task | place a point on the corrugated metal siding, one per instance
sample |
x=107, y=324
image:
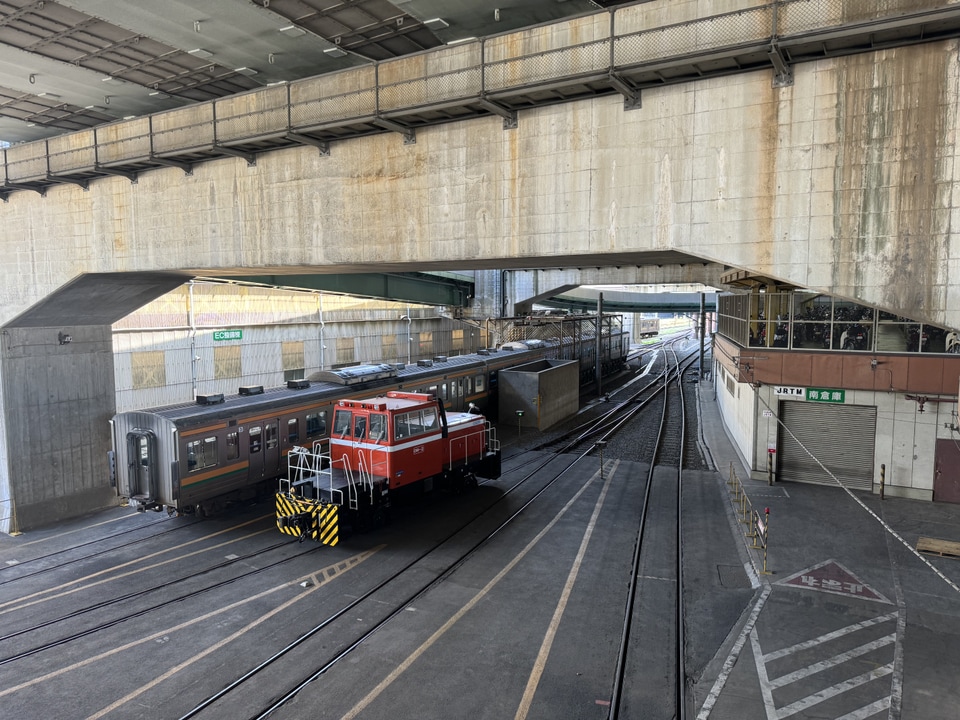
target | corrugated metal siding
x=841, y=437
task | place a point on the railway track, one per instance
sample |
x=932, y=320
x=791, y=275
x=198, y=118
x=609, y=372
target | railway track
x=302, y=659
x=571, y=448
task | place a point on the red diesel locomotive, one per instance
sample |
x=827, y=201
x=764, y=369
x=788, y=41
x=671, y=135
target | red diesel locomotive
x=383, y=445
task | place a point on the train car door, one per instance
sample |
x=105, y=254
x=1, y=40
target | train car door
x=141, y=476
x=264, y=449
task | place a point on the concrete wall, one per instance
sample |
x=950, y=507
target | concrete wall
x=832, y=183
x=547, y=392
x=845, y=183
x=59, y=399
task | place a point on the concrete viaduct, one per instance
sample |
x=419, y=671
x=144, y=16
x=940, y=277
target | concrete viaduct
x=746, y=146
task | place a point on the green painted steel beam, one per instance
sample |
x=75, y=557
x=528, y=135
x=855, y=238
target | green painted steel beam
x=419, y=288
x=650, y=302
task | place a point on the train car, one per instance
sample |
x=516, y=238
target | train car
x=378, y=447
x=649, y=327
x=197, y=457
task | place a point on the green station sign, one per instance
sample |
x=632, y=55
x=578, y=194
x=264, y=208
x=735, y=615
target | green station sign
x=228, y=335
x=823, y=395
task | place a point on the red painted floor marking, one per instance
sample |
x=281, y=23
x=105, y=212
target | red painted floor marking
x=832, y=577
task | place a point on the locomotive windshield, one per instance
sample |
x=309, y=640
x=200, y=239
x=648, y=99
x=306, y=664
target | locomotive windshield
x=341, y=422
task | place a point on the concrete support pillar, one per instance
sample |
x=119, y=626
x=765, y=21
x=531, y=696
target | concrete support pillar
x=57, y=400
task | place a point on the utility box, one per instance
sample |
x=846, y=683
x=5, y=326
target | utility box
x=539, y=394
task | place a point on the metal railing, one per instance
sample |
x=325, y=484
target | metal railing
x=757, y=527
x=598, y=47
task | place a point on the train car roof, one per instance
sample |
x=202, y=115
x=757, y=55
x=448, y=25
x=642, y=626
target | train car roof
x=323, y=386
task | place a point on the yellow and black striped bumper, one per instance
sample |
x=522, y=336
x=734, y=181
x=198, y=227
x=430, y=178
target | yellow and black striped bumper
x=304, y=518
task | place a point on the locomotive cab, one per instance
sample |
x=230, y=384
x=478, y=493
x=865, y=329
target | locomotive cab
x=391, y=443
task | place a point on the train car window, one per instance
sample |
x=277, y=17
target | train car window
x=293, y=430
x=432, y=390
x=201, y=454
x=480, y=385
x=341, y=422
x=443, y=391
x=272, y=437
x=233, y=446
x=316, y=424
x=414, y=423
x=255, y=439
x=360, y=427
x=378, y=427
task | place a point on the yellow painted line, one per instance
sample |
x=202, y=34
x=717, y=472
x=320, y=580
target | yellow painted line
x=415, y=655
x=326, y=572
x=39, y=595
x=541, y=661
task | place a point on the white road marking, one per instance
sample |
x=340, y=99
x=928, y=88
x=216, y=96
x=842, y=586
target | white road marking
x=782, y=680
x=829, y=636
x=731, y=660
x=835, y=690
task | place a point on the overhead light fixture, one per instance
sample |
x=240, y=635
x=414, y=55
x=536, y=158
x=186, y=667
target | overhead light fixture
x=335, y=52
x=110, y=80
x=436, y=23
x=52, y=96
x=293, y=31
x=245, y=71
x=200, y=53
x=159, y=94
x=461, y=40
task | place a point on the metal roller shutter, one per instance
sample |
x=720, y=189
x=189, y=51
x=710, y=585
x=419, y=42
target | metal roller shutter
x=842, y=437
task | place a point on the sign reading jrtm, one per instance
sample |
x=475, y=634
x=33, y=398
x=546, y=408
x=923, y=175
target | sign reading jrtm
x=830, y=396
x=228, y=334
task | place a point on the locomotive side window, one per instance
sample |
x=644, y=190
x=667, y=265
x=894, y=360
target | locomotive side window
x=429, y=419
x=272, y=438
x=293, y=430
x=255, y=439
x=316, y=424
x=201, y=454
x=233, y=446
x=341, y=422
x=378, y=427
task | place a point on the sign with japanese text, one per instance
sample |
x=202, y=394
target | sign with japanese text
x=822, y=395
x=228, y=335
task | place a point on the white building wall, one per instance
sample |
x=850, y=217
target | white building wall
x=737, y=407
x=905, y=442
